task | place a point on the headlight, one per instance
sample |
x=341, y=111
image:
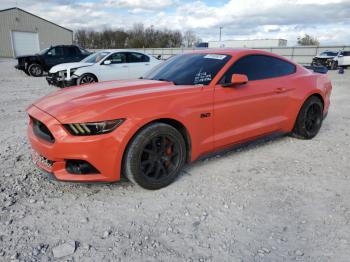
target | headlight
x=93, y=128
x=62, y=73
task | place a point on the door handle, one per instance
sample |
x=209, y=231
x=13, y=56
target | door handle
x=147, y=64
x=124, y=66
x=280, y=90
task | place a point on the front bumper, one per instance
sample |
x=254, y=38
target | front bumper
x=20, y=67
x=322, y=62
x=53, y=79
x=103, y=152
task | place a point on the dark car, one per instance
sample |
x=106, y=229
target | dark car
x=326, y=59
x=37, y=64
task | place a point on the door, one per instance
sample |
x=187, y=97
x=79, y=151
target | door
x=25, y=43
x=256, y=108
x=138, y=64
x=346, y=58
x=114, y=67
x=72, y=54
x=54, y=56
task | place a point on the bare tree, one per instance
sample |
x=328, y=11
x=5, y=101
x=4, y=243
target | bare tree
x=308, y=40
x=189, y=38
x=137, y=37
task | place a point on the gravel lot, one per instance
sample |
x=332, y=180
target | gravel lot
x=281, y=200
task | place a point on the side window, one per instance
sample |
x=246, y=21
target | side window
x=57, y=51
x=346, y=53
x=257, y=67
x=134, y=57
x=117, y=58
x=71, y=51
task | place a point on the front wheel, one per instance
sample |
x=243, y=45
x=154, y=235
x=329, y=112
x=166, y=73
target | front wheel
x=86, y=79
x=309, y=119
x=155, y=157
x=35, y=70
x=334, y=65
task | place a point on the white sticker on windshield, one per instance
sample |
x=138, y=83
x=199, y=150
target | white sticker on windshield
x=202, y=77
x=215, y=56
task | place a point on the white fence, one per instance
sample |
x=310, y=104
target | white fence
x=299, y=54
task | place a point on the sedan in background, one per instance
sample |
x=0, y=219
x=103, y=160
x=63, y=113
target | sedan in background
x=186, y=107
x=102, y=66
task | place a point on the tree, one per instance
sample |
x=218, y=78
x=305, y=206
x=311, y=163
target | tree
x=136, y=37
x=308, y=40
x=189, y=38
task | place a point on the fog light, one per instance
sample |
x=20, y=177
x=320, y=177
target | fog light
x=80, y=167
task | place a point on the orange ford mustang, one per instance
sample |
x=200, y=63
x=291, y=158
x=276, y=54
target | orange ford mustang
x=186, y=107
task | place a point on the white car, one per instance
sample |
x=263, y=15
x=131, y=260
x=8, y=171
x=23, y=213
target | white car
x=343, y=59
x=102, y=66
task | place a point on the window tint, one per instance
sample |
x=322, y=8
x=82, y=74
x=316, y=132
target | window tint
x=117, y=58
x=346, y=53
x=189, y=69
x=57, y=51
x=328, y=53
x=71, y=51
x=137, y=58
x=257, y=67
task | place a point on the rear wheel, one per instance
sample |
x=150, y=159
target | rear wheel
x=309, y=119
x=35, y=70
x=87, y=79
x=155, y=157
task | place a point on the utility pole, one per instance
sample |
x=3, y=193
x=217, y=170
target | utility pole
x=220, y=33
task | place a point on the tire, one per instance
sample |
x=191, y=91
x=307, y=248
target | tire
x=334, y=65
x=309, y=120
x=35, y=70
x=86, y=79
x=155, y=156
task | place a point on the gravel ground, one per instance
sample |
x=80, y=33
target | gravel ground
x=281, y=200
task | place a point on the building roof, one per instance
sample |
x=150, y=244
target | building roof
x=16, y=8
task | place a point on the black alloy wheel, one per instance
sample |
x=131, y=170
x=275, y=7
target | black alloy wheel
x=309, y=119
x=159, y=157
x=155, y=156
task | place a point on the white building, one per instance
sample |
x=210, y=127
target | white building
x=253, y=43
x=23, y=33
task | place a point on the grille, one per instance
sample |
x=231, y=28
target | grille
x=41, y=131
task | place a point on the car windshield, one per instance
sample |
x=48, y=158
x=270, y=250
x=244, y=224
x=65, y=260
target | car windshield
x=189, y=69
x=43, y=51
x=329, y=53
x=96, y=57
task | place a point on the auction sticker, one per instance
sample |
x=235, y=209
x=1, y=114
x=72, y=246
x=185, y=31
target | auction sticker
x=215, y=56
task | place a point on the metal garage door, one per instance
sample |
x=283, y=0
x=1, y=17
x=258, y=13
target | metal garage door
x=25, y=43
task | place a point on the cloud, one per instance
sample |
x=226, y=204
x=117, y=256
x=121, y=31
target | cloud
x=139, y=4
x=328, y=20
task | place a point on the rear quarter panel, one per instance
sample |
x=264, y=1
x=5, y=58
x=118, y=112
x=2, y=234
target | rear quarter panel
x=305, y=84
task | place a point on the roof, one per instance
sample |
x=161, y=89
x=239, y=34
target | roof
x=14, y=8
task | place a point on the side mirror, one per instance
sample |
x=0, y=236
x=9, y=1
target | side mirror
x=237, y=79
x=107, y=62
x=49, y=53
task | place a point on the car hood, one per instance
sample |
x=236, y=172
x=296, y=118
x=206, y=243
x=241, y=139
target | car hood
x=25, y=56
x=67, y=66
x=324, y=56
x=97, y=101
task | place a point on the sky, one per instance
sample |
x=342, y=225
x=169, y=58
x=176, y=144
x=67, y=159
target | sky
x=328, y=20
